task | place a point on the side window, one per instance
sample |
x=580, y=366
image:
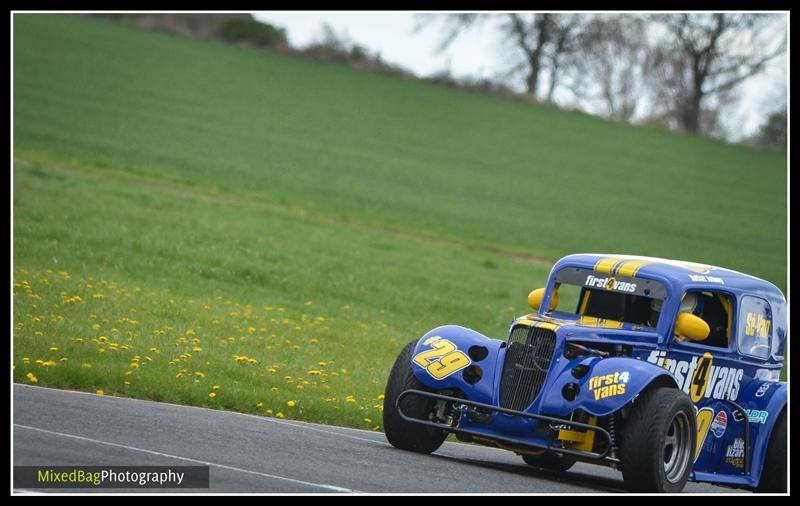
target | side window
x=716, y=309
x=755, y=327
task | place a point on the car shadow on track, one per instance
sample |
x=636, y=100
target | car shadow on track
x=590, y=482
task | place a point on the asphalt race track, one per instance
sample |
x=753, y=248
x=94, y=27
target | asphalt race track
x=253, y=454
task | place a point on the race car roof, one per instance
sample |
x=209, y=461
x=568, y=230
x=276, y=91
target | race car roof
x=679, y=272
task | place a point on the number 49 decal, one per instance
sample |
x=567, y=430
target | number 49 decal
x=443, y=359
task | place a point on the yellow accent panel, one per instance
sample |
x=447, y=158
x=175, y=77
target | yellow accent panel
x=524, y=321
x=605, y=264
x=692, y=327
x=726, y=303
x=631, y=267
x=593, y=321
x=584, y=302
x=546, y=325
x=583, y=440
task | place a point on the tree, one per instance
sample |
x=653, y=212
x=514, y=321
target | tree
x=704, y=57
x=773, y=132
x=541, y=41
x=607, y=67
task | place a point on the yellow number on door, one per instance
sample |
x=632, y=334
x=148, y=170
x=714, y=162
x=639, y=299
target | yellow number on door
x=703, y=418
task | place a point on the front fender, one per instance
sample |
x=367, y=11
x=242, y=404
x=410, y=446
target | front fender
x=479, y=350
x=609, y=384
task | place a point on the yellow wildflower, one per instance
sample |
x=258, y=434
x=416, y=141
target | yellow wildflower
x=213, y=395
x=291, y=404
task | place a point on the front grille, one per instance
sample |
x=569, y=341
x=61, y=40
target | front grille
x=528, y=357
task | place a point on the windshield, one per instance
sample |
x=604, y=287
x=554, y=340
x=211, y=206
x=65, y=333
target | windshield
x=593, y=294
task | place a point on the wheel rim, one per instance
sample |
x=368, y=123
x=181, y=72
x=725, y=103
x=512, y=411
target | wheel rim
x=677, y=447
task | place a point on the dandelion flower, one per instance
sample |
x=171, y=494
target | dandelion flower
x=100, y=392
x=291, y=404
x=215, y=387
x=279, y=414
x=86, y=365
x=368, y=420
x=380, y=397
x=213, y=395
x=54, y=348
x=260, y=405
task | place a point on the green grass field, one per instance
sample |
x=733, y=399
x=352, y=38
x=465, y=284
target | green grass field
x=278, y=228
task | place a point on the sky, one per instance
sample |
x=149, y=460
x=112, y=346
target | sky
x=478, y=53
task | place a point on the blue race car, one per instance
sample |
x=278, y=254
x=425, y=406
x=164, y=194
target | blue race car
x=666, y=370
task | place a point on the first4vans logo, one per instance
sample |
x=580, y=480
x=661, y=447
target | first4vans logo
x=699, y=378
x=609, y=284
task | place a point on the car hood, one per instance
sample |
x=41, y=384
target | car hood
x=586, y=328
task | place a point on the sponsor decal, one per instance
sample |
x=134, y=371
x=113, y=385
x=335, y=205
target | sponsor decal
x=756, y=325
x=699, y=378
x=768, y=374
x=763, y=389
x=443, y=359
x=757, y=416
x=719, y=424
x=734, y=454
x=608, y=385
x=701, y=278
x=753, y=416
x=609, y=283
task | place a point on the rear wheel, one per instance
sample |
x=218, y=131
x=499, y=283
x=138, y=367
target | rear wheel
x=773, y=474
x=400, y=433
x=658, y=442
x=550, y=461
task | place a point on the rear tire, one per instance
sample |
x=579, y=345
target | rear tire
x=400, y=433
x=773, y=473
x=550, y=461
x=658, y=442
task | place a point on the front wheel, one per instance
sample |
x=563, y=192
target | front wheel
x=400, y=433
x=658, y=442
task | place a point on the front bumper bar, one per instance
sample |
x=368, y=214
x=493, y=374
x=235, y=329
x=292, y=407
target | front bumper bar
x=508, y=440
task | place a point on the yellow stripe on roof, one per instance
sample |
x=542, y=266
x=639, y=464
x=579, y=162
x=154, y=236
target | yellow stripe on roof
x=631, y=267
x=606, y=264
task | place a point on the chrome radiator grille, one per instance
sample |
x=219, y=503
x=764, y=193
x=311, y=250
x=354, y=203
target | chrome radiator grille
x=528, y=357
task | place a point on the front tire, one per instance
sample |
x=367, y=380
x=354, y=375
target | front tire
x=658, y=442
x=400, y=433
x=550, y=461
x=773, y=473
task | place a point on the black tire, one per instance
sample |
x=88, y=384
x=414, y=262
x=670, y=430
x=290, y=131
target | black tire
x=400, y=433
x=550, y=461
x=658, y=442
x=773, y=474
